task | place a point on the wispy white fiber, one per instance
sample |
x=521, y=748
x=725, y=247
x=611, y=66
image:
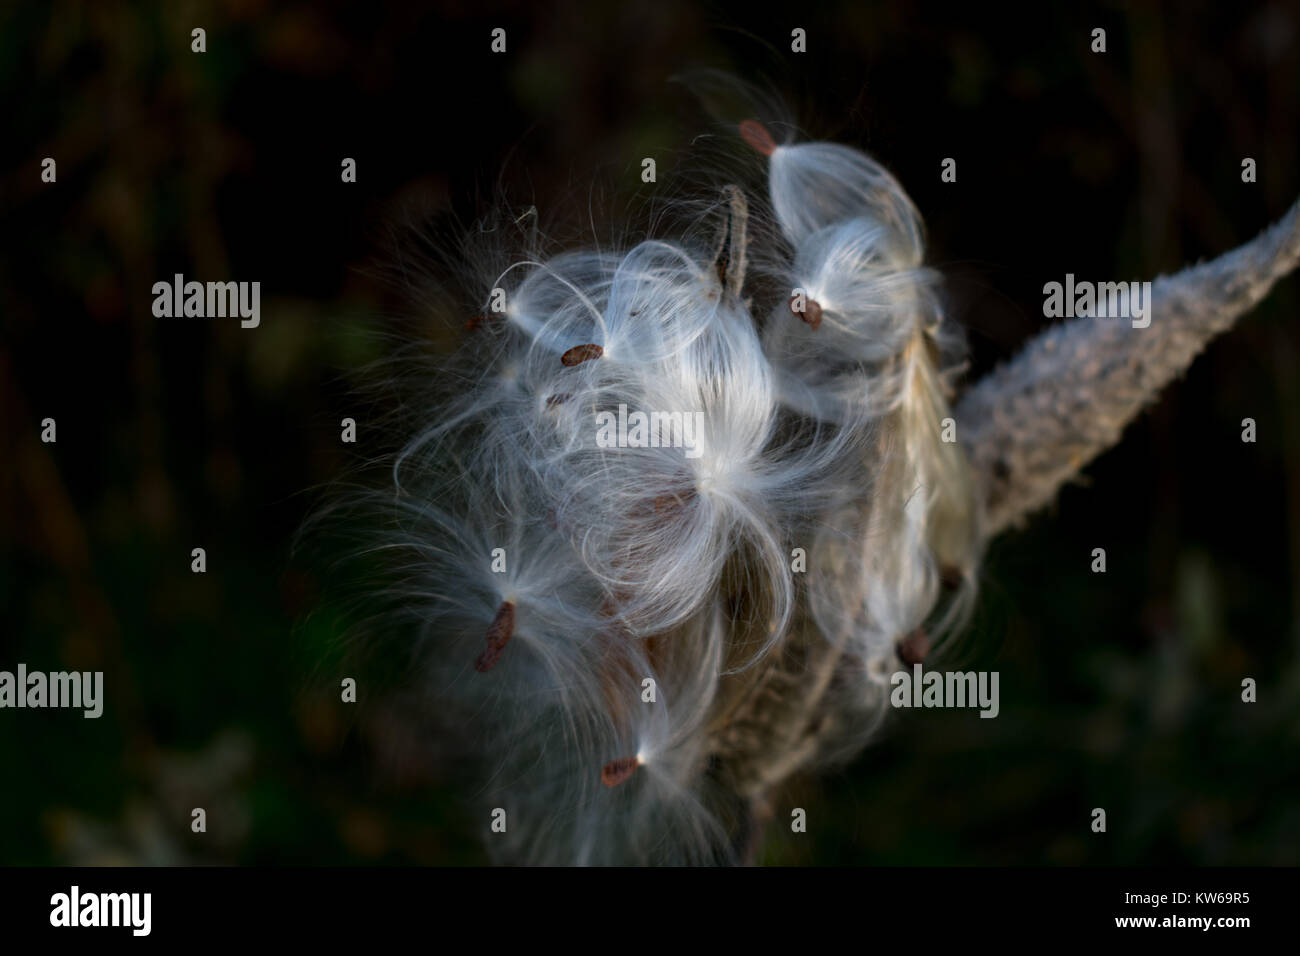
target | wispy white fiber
x=581, y=617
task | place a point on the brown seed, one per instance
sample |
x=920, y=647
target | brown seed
x=581, y=353
x=756, y=135
x=502, y=627
x=488, y=659
x=616, y=771
x=554, y=400
x=810, y=313
x=475, y=322
x=913, y=648
x=499, y=633
x=669, y=503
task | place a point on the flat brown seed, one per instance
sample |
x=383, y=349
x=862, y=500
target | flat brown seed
x=488, y=659
x=502, y=627
x=554, y=400
x=810, y=313
x=616, y=771
x=499, y=633
x=756, y=135
x=914, y=648
x=581, y=353
x=669, y=503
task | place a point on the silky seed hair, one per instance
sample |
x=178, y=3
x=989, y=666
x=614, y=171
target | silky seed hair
x=596, y=625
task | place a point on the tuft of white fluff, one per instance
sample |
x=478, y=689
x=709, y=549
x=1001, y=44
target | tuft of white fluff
x=587, y=620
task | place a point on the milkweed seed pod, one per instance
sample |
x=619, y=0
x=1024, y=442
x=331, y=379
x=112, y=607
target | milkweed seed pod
x=662, y=541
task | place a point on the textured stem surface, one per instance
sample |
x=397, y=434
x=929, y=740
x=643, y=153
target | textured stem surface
x=1032, y=424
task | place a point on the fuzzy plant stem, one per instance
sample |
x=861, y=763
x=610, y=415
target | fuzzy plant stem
x=1029, y=427
x=1033, y=423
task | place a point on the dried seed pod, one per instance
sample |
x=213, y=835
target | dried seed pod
x=733, y=241
x=616, y=771
x=499, y=633
x=721, y=265
x=581, y=353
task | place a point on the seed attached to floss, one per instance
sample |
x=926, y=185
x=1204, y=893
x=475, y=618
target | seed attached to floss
x=914, y=648
x=671, y=504
x=756, y=135
x=581, y=353
x=616, y=771
x=475, y=322
x=499, y=633
x=810, y=313
x=553, y=400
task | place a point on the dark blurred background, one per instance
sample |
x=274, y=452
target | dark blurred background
x=1119, y=691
